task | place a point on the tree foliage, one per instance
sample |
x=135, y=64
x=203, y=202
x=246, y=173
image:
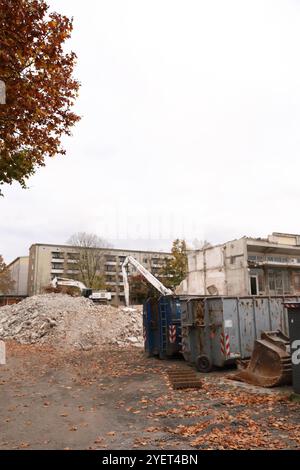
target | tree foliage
x=90, y=258
x=140, y=289
x=40, y=88
x=6, y=282
x=175, y=269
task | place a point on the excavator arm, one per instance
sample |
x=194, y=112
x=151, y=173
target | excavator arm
x=147, y=275
x=63, y=281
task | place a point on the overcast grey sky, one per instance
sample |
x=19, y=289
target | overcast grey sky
x=191, y=118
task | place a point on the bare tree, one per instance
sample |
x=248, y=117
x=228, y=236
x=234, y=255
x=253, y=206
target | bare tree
x=90, y=258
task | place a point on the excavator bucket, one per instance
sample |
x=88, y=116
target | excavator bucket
x=270, y=363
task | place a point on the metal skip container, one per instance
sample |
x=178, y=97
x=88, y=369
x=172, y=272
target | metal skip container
x=217, y=331
x=162, y=326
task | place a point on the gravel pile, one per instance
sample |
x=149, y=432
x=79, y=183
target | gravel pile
x=70, y=322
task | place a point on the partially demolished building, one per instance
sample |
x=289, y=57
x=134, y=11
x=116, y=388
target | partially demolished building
x=247, y=266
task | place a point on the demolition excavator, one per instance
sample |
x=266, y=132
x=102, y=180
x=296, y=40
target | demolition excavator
x=270, y=364
x=98, y=296
x=145, y=273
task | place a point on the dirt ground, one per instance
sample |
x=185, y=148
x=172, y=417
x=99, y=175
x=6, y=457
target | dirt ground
x=120, y=399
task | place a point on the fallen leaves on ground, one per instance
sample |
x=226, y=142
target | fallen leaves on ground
x=219, y=416
x=152, y=429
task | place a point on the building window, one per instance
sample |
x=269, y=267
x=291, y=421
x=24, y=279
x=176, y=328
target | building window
x=57, y=266
x=271, y=283
x=257, y=284
x=254, y=285
x=57, y=255
x=111, y=269
x=110, y=259
x=73, y=256
x=286, y=283
x=261, y=282
x=279, y=282
x=277, y=259
x=255, y=258
x=296, y=282
x=155, y=270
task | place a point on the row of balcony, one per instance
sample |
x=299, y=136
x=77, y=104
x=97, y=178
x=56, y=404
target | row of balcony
x=273, y=260
x=62, y=271
x=76, y=271
x=107, y=263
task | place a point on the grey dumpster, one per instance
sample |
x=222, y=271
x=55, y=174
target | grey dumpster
x=294, y=329
x=217, y=331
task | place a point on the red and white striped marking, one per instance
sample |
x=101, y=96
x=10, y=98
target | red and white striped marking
x=172, y=333
x=225, y=344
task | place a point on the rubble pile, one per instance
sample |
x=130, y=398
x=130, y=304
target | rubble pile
x=70, y=322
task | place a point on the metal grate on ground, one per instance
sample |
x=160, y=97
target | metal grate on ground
x=184, y=378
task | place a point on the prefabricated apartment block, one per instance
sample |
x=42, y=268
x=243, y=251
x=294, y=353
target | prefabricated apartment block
x=49, y=261
x=247, y=266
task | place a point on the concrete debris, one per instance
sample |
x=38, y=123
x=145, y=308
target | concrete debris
x=70, y=322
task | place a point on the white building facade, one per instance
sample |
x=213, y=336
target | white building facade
x=247, y=266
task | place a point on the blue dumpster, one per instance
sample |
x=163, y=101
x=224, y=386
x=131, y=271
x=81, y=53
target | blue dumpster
x=162, y=326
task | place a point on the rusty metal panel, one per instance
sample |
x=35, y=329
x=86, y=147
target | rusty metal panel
x=262, y=315
x=278, y=315
x=232, y=326
x=214, y=331
x=247, y=326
